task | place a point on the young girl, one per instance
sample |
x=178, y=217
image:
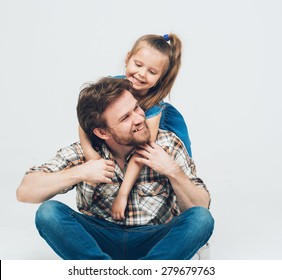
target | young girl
x=152, y=66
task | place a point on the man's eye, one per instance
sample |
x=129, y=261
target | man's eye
x=125, y=118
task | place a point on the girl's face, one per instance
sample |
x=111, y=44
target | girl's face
x=144, y=68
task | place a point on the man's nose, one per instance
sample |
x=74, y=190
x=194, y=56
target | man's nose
x=138, y=118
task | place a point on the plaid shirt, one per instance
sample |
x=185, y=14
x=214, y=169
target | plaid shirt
x=152, y=199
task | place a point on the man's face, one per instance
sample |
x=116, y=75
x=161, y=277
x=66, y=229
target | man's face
x=126, y=121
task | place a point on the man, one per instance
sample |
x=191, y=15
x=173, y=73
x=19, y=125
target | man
x=167, y=216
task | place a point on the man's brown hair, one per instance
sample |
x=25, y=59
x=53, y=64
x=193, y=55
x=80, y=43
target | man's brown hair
x=93, y=100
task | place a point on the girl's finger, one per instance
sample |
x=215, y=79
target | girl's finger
x=143, y=161
x=146, y=147
x=154, y=145
x=143, y=153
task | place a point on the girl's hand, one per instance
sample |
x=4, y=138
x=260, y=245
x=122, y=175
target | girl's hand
x=156, y=158
x=118, y=207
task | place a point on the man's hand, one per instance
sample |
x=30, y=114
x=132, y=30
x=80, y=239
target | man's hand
x=156, y=158
x=96, y=171
x=39, y=186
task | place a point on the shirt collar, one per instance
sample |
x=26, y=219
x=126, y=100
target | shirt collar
x=108, y=155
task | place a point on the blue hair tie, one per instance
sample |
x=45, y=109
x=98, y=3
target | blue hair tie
x=166, y=37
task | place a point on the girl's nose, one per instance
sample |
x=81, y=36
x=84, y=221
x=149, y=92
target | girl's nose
x=142, y=72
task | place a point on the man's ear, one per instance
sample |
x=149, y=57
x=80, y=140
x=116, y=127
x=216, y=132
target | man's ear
x=101, y=133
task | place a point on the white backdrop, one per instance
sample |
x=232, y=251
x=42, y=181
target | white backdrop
x=229, y=91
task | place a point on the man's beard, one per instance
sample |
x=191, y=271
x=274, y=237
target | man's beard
x=131, y=139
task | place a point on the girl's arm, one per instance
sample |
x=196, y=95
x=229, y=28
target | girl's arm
x=132, y=173
x=86, y=145
x=154, y=124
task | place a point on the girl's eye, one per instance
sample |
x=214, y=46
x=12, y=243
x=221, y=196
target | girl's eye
x=153, y=72
x=137, y=64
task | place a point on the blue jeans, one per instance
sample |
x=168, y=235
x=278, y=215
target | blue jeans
x=75, y=236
